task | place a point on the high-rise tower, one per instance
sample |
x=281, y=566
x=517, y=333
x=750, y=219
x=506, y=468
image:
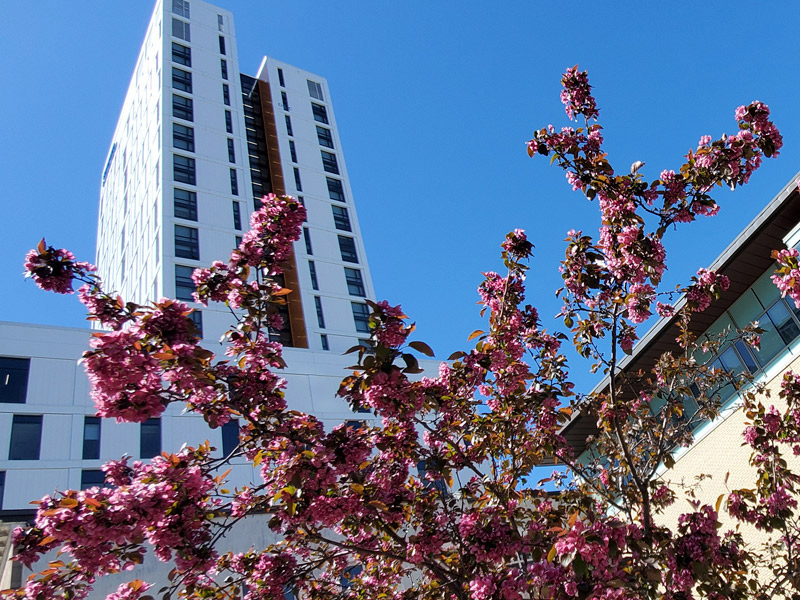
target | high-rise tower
x=196, y=147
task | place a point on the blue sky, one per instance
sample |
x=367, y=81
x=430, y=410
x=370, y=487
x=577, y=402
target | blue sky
x=434, y=101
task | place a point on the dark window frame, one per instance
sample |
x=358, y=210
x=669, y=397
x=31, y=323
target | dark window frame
x=361, y=314
x=184, y=284
x=187, y=245
x=184, y=207
x=320, y=113
x=184, y=169
x=182, y=108
x=150, y=438
x=341, y=218
x=355, y=282
x=336, y=189
x=347, y=248
x=91, y=445
x=325, y=137
x=25, y=442
x=181, y=54
x=15, y=373
x=329, y=162
x=183, y=137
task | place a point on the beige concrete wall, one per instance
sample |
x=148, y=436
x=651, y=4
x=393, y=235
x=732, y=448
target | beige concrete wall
x=722, y=455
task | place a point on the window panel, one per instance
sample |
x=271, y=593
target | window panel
x=181, y=30
x=347, y=247
x=292, y=151
x=226, y=94
x=185, y=206
x=335, y=189
x=26, y=437
x=181, y=54
x=280, y=78
x=14, y=379
x=181, y=80
x=223, y=67
x=234, y=183
x=307, y=239
x=284, y=101
x=361, y=316
x=237, y=216
x=231, y=151
x=312, y=270
x=222, y=44
x=784, y=322
x=228, y=121
x=341, y=219
x=184, y=284
x=187, y=244
x=181, y=7
x=182, y=108
x=329, y=162
x=323, y=340
x=297, y=183
x=320, y=314
x=183, y=137
x=315, y=90
x=288, y=125
x=183, y=168
x=320, y=114
x=196, y=317
x=150, y=438
x=91, y=438
x=355, y=283
x=92, y=478
x=230, y=437
x=324, y=136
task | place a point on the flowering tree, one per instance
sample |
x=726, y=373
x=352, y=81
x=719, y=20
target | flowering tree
x=350, y=503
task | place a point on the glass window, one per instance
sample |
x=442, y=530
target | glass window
x=237, y=216
x=307, y=239
x=784, y=322
x=355, y=284
x=226, y=94
x=347, y=246
x=184, y=284
x=220, y=23
x=320, y=114
x=288, y=125
x=187, y=244
x=223, y=67
x=181, y=80
x=91, y=438
x=182, y=108
x=335, y=189
x=315, y=90
x=230, y=437
x=323, y=339
x=222, y=44
x=771, y=342
x=320, y=314
x=14, y=379
x=92, y=478
x=766, y=291
x=324, y=136
x=329, y=162
x=228, y=121
x=746, y=356
x=26, y=437
x=280, y=78
x=292, y=151
x=234, y=183
x=181, y=54
x=297, y=183
x=183, y=168
x=231, y=151
x=150, y=438
x=361, y=316
x=2, y=494
x=185, y=204
x=312, y=269
x=196, y=317
x=284, y=101
x=181, y=7
x=341, y=219
x=183, y=137
x=181, y=30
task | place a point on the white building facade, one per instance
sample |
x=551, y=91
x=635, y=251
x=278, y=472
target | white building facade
x=196, y=147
